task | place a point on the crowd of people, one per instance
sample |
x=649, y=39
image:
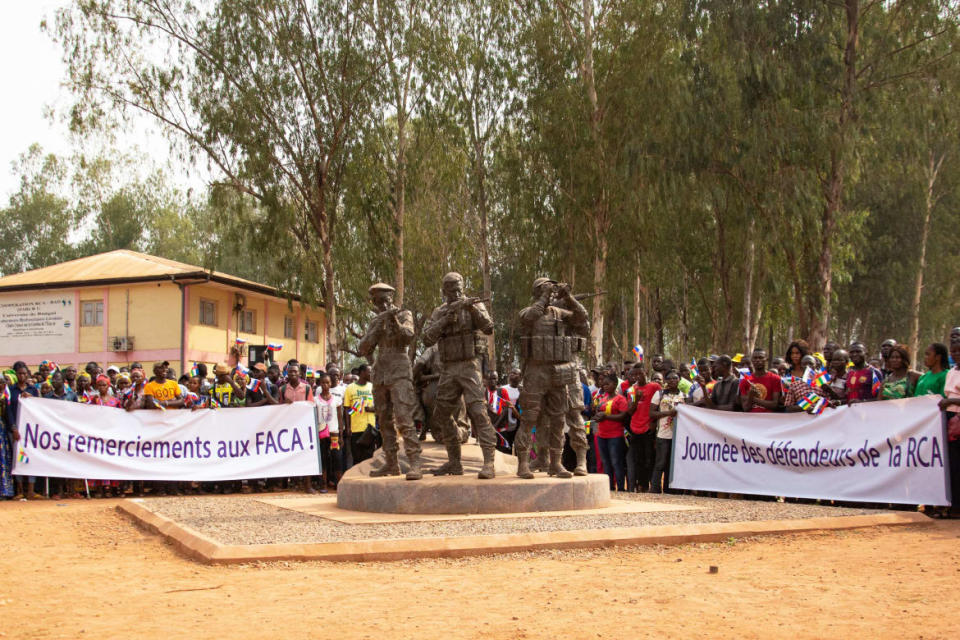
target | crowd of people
x=229, y=387
x=630, y=409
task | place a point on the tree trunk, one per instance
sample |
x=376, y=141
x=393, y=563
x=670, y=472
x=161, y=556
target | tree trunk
x=596, y=315
x=329, y=298
x=684, y=324
x=833, y=187
x=481, y=195
x=636, y=310
x=625, y=328
x=933, y=170
x=658, y=321
x=600, y=211
x=754, y=327
x=400, y=188
x=748, y=286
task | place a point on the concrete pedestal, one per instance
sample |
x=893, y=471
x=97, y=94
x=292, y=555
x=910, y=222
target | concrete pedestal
x=506, y=493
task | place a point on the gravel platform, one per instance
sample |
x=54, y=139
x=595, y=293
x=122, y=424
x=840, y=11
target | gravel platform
x=241, y=519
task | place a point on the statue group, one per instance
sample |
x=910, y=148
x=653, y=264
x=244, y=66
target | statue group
x=554, y=331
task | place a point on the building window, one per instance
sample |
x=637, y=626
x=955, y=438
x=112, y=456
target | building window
x=289, y=327
x=92, y=313
x=208, y=312
x=312, y=335
x=248, y=321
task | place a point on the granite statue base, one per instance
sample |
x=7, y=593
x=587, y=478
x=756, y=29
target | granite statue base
x=506, y=493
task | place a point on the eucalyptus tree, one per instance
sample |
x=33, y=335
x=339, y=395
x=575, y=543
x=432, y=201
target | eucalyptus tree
x=269, y=93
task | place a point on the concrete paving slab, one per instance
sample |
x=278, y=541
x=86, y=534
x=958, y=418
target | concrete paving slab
x=204, y=549
x=326, y=507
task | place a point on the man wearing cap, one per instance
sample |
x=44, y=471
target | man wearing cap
x=553, y=334
x=161, y=392
x=260, y=394
x=394, y=399
x=457, y=327
x=112, y=372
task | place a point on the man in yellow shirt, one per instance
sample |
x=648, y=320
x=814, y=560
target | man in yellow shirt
x=358, y=409
x=161, y=393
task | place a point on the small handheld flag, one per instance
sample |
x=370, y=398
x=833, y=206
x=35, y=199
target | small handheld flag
x=821, y=379
x=254, y=384
x=745, y=374
x=274, y=346
x=194, y=370
x=496, y=404
x=240, y=341
x=875, y=388
x=359, y=406
x=812, y=403
x=785, y=382
x=22, y=456
x=694, y=370
x=638, y=351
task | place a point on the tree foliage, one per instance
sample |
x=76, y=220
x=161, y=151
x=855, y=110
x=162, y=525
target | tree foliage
x=730, y=173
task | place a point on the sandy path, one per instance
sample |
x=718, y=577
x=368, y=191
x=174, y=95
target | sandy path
x=83, y=571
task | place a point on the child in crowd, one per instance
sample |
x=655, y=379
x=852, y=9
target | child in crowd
x=104, y=398
x=327, y=405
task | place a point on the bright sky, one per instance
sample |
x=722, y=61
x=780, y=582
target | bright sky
x=32, y=77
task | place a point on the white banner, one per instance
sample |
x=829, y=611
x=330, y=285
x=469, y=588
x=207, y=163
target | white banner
x=891, y=451
x=71, y=440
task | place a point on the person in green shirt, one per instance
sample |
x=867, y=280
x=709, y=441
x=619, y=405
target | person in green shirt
x=937, y=362
x=900, y=380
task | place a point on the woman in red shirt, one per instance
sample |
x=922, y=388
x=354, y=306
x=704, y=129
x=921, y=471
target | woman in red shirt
x=610, y=413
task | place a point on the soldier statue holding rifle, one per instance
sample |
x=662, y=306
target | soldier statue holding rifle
x=554, y=332
x=394, y=399
x=457, y=327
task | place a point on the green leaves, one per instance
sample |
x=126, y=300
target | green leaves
x=719, y=151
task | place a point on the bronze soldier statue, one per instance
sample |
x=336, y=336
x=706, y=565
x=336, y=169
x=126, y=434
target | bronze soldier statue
x=554, y=332
x=426, y=378
x=394, y=399
x=456, y=327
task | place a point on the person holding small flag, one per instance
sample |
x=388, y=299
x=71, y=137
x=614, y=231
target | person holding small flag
x=836, y=387
x=863, y=381
x=257, y=393
x=226, y=392
x=760, y=390
x=804, y=386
